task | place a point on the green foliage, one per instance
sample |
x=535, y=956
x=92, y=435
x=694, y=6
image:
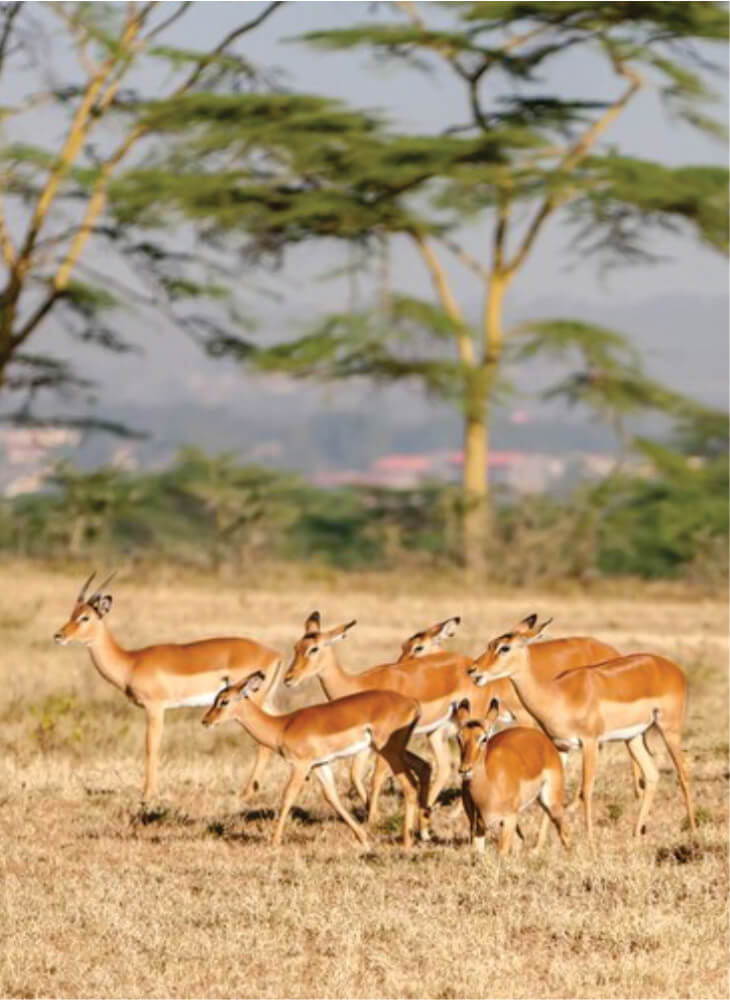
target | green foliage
x=668, y=518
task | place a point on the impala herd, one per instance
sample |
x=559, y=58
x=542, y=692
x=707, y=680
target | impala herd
x=516, y=711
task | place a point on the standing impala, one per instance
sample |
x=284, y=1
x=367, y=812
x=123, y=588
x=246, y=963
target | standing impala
x=617, y=700
x=504, y=774
x=311, y=738
x=419, y=644
x=437, y=681
x=170, y=675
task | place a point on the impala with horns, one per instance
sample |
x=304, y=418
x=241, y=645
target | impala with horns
x=620, y=699
x=168, y=675
x=437, y=681
x=503, y=774
x=311, y=738
x=419, y=644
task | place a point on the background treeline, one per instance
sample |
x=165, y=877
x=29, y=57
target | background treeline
x=211, y=512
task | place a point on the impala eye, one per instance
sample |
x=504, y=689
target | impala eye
x=222, y=704
x=84, y=618
x=503, y=649
x=314, y=649
x=418, y=649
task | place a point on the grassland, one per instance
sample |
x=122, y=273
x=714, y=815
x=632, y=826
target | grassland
x=98, y=899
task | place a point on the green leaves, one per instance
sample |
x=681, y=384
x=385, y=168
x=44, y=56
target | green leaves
x=621, y=196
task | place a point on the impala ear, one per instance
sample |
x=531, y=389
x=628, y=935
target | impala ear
x=447, y=629
x=103, y=605
x=462, y=712
x=526, y=626
x=539, y=631
x=250, y=685
x=313, y=623
x=492, y=712
x=339, y=633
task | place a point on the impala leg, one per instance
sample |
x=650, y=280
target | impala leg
x=379, y=775
x=544, y=824
x=637, y=776
x=327, y=781
x=401, y=764
x=480, y=832
x=509, y=824
x=440, y=745
x=155, y=720
x=357, y=775
x=551, y=800
x=421, y=770
x=263, y=756
x=469, y=809
x=672, y=741
x=650, y=774
x=588, y=777
x=296, y=779
x=575, y=801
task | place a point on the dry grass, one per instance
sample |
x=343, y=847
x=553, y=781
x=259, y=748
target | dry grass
x=192, y=902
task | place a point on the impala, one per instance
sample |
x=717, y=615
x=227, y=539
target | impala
x=311, y=738
x=169, y=675
x=504, y=774
x=437, y=681
x=418, y=644
x=620, y=699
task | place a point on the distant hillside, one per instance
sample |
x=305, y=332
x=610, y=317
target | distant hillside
x=181, y=397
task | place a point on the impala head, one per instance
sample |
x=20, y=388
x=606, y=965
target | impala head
x=429, y=641
x=84, y=622
x=508, y=653
x=473, y=734
x=311, y=650
x=223, y=706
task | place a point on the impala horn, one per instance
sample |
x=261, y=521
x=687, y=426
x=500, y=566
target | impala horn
x=82, y=593
x=98, y=592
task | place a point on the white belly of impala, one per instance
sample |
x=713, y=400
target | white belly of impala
x=346, y=751
x=625, y=734
x=195, y=700
x=433, y=726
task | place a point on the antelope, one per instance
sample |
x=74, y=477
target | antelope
x=419, y=644
x=169, y=675
x=620, y=699
x=504, y=774
x=438, y=681
x=311, y=738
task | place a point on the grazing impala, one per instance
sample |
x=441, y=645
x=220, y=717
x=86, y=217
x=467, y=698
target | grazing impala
x=620, y=699
x=311, y=738
x=504, y=774
x=170, y=675
x=437, y=681
x=419, y=644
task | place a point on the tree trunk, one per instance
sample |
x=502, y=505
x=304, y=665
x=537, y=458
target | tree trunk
x=475, y=478
x=474, y=482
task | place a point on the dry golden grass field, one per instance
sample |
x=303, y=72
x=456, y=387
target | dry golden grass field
x=101, y=900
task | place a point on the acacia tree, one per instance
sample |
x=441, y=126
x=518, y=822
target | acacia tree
x=65, y=252
x=514, y=162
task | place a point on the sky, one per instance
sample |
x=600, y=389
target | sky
x=555, y=278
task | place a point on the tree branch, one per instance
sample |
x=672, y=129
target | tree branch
x=10, y=15
x=464, y=256
x=446, y=296
x=580, y=148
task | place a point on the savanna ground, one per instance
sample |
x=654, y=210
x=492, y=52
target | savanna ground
x=99, y=899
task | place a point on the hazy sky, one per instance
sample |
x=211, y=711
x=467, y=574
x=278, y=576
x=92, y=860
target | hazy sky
x=428, y=103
